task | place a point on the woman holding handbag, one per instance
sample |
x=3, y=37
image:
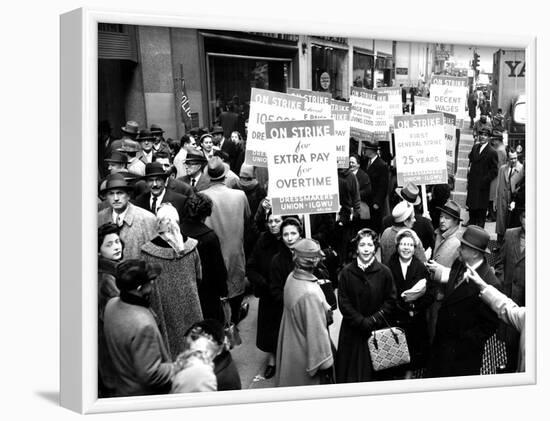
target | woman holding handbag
x=366, y=298
x=414, y=295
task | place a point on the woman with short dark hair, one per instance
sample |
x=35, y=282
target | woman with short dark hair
x=366, y=298
x=214, y=273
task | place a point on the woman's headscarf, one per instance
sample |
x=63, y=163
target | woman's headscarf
x=168, y=227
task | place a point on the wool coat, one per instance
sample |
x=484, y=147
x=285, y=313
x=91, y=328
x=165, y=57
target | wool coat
x=411, y=316
x=502, y=158
x=506, y=185
x=254, y=194
x=230, y=212
x=361, y=295
x=139, y=226
x=175, y=297
x=202, y=183
x=464, y=324
x=445, y=252
x=258, y=269
x=483, y=168
x=378, y=173
x=214, y=274
x=137, y=350
x=304, y=342
x=281, y=266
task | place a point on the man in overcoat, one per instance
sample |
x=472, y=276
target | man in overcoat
x=482, y=169
x=464, y=321
x=156, y=177
x=132, y=335
x=230, y=211
x=445, y=252
x=378, y=172
x=137, y=225
x=510, y=269
x=508, y=177
x=227, y=145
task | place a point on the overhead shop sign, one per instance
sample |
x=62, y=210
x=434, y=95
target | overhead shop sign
x=448, y=94
x=317, y=103
x=420, y=149
x=449, y=121
x=268, y=106
x=341, y=113
x=301, y=160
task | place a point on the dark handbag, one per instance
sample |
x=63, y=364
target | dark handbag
x=388, y=347
x=231, y=331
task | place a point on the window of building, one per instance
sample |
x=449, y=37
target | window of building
x=329, y=70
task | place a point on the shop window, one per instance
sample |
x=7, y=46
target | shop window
x=328, y=66
x=362, y=70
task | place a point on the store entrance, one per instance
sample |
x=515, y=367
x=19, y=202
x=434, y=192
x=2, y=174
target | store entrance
x=231, y=78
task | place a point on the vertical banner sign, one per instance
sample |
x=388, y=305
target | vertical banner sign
x=317, y=103
x=301, y=160
x=421, y=105
x=268, y=106
x=381, y=118
x=341, y=113
x=448, y=94
x=395, y=106
x=449, y=122
x=185, y=106
x=420, y=149
x=363, y=108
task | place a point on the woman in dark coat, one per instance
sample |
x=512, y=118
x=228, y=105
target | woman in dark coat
x=366, y=296
x=257, y=271
x=214, y=274
x=410, y=314
x=281, y=266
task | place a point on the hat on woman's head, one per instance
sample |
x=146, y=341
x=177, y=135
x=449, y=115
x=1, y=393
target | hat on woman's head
x=406, y=232
x=410, y=193
x=402, y=211
x=133, y=273
x=216, y=169
x=477, y=238
x=308, y=248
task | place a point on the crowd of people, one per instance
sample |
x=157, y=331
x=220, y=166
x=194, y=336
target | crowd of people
x=186, y=231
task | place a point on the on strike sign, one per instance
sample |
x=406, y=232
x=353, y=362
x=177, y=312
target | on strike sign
x=448, y=94
x=268, y=106
x=317, y=103
x=301, y=159
x=341, y=112
x=420, y=149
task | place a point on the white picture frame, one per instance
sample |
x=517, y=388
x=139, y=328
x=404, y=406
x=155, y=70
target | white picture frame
x=78, y=228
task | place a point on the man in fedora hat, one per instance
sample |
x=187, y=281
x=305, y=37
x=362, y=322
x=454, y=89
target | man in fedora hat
x=157, y=193
x=195, y=166
x=129, y=131
x=146, y=140
x=445, y=252
x=422, y=226
x=483, y=168
x=230, y=211
x=137, y=226
x=403, y=217
x=227, y=145
x=378, y=172
x=131, y=148
x=464, y=321
x=508, y=178
x=132, y=335
x=159, y=144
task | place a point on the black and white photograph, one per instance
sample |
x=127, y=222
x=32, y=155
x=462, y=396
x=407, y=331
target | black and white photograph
x=234, y=255
x=245, y=210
